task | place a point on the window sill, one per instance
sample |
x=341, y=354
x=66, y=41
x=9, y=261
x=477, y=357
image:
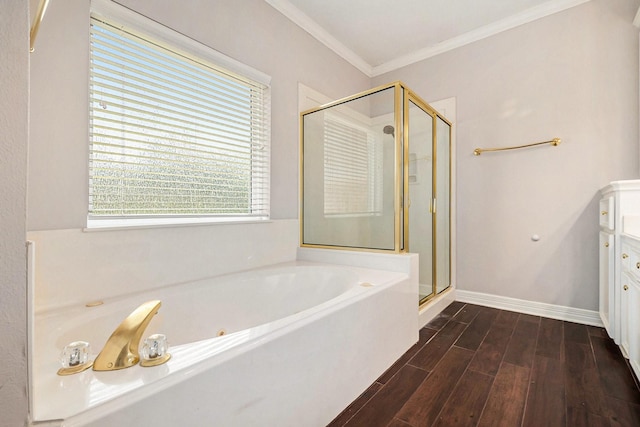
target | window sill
x=138, y=223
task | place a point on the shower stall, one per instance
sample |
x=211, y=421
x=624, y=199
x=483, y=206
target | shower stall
x=376, y=176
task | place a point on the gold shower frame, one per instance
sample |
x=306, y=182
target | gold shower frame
x=412, y=97
x=402, y=98
x=398, y=247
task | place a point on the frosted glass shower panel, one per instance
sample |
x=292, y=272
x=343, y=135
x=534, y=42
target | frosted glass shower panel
x=348, y=155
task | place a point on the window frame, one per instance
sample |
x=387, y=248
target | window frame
x=134, y=23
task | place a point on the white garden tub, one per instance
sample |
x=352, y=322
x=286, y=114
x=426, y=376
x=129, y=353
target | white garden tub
x=301, y=341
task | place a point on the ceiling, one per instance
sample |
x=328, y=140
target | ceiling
x=378, y=36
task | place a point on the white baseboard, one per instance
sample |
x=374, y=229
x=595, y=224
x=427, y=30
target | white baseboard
x=569, y=314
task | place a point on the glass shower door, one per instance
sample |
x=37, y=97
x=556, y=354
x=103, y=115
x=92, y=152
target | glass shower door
x=420, y=181
x=443, y=204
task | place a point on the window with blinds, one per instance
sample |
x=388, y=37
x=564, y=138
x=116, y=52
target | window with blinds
x=352, y=170
x=173, y=135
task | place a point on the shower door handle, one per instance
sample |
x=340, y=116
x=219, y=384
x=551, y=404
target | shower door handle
x=432, y=205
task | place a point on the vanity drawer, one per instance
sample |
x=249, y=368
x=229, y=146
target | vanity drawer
x=631, y=259
x=607, y=217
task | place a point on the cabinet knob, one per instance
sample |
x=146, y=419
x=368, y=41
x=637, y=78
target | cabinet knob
x=604, y=213
x=625, y=256
x=638, y=265
x=625, y=287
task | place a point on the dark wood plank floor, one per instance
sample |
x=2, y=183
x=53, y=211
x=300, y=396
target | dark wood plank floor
x=479, y=366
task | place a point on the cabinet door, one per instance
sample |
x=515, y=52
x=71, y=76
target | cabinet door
x=607, y=217
x=632, y=319
x=606, y=281
x=627, y=285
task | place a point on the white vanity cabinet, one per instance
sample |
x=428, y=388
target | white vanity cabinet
x=618, y=199
x=630, y=301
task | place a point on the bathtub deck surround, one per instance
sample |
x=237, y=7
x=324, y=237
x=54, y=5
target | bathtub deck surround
x=71, y=266
x=284, y=327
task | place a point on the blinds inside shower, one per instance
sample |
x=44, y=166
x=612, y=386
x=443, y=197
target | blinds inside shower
x=352, y=165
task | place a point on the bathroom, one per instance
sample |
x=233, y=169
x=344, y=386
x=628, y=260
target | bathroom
x=572, y=74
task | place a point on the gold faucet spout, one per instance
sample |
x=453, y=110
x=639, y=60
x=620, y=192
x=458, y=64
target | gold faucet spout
x=121, y=349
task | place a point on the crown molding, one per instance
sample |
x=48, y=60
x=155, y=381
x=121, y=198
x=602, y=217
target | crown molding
x=310, y=26
x=529, y=15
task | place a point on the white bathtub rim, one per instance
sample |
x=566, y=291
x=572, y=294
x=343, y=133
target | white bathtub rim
x=54, y=319
x=55, y=328
x=208, y=359
x=53, y=310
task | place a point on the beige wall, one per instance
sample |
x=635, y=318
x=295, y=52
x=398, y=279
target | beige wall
x=572, y=75
x=14, y=115
x=249, y=31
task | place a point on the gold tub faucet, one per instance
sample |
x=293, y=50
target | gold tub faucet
x=121, y=349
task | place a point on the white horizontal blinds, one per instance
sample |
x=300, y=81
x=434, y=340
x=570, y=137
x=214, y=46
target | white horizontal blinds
x=351, y=159
x=171, y=135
